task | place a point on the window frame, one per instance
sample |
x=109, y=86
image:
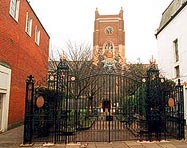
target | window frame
x=37, y=35
x=176, y=49
x=14, y=9
x=177, y=71
x=28, y=26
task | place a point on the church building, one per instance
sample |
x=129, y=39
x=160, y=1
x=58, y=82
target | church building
x=109, y=40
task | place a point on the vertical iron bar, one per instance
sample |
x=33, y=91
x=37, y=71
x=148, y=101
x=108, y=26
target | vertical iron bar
x=109, y=106
x=68, y=115
x=180, y=113
x=55, y=107
x=28, y=130
x=76, y=104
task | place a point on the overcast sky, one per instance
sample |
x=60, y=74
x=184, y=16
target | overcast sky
x=74, y=20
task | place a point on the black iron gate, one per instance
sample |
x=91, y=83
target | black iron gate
x=103, y=107
x=164, y=106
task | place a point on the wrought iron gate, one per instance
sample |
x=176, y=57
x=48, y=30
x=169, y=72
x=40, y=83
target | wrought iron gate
x=102, y=107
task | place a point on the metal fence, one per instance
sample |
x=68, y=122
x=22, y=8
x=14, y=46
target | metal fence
x=104, y=107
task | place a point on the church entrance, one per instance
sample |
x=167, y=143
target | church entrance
x=106, y=105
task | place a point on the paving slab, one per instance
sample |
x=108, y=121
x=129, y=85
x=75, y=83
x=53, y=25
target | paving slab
x=103, y=145
x=91, y=145
x=119, y=145
x=14, y=137
x=151, y=145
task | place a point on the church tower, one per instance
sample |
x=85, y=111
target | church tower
x=109, y=39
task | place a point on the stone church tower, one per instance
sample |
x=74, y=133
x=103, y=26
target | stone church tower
x=109, y=40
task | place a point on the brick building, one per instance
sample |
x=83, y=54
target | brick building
x=24, y=49
x=109, y=39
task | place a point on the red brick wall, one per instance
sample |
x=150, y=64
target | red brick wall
x=21, y=52
x=117, y=37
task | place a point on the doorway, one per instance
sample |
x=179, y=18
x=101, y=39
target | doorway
x=1, y=108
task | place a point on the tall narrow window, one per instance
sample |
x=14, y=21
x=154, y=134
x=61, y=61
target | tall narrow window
x=14, y=9
x=37, y=35
x=177, y=71
x=28, y=28
x=175, y=42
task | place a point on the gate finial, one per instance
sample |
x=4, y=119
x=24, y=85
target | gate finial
x=152, y=61
x=178, y=82
x=62, y=57
x=30, y=78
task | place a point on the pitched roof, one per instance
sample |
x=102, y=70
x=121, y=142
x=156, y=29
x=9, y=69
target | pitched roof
x=169, y=14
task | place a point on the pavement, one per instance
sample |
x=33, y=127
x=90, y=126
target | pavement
x=13, y=139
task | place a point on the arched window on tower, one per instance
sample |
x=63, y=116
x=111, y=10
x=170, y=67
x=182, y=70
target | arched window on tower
x=108, y=49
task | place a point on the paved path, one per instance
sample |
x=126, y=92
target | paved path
x=100, y=131
x=13, y=139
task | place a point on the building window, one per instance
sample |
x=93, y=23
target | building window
x=175, y=43
x=14, y=9
x=108, y=49
x=177, y=72
x=37, y=35
x=28, y=28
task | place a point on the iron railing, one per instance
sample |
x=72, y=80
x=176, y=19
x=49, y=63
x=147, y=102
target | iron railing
x=102, y=107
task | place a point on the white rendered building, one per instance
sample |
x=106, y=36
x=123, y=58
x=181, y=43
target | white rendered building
x=172, y=44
